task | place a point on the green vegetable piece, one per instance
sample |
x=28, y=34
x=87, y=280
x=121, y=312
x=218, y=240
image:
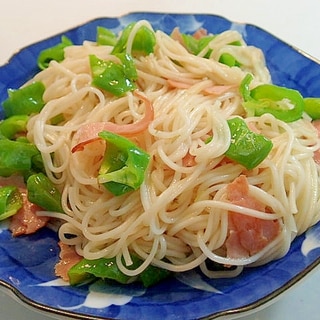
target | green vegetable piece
x=16, y=157
x=24, y=101
x=106, y=268
x=121, y=44
x=236, y=43
x=53, y=53
x=113, y=77
x=57, y=119
x=128, y=65
x=285, y=104
x=247, y=147
x=143, y=43
x=195, y=46
x=42, y=192
x=124, y=164
x=245, y=87
x=13, y=125
x=229, y=60
x=37, y=166
x=312, y=107
x=105, y=37
x=99, y=268
x=10, y=201
x=153, y=275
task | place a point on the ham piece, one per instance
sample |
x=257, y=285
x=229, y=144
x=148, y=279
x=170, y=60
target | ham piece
x=68, y=258
x=25, y=221
x=247, y=235
x=316, y=155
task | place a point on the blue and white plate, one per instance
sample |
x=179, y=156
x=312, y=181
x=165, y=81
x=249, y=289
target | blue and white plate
x=27, y=262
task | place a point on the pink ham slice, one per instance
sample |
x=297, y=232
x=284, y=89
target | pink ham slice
x=88, y=133
x=316, y=155
x=25, y=221
x=68, y=258
x=247, y=235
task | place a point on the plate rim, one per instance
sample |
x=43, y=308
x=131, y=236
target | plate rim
x=260, y=304
x=88, y=21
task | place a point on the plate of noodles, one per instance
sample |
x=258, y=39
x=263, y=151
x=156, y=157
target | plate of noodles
x=169, y=166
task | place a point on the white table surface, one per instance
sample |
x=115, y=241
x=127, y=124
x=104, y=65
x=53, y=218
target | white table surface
x=294, y=21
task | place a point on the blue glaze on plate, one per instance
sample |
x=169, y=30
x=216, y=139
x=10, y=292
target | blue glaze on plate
x=27, y=263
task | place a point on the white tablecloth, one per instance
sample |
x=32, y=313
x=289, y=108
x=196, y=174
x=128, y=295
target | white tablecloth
x=296, y=22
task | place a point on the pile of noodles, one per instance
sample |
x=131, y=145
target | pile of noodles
x=178, y=218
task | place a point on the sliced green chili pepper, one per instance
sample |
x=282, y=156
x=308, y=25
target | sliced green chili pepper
x=124, y=164
x=312, y=107
x=195, y=46
x=97, y=268
x=229, y=60
x=37, y=166
x=236, y=43
x=42, y=192
x=113, y=77
x=13, y=125
x=121, y=44
x=16, y=157
x=106, y=37
x=247, y=147
x=152, y=275
x=27, y=100
x=144, y=40
x=57, y=119
x=128, y=65
x=285, y=104
x=10, y=201
x=53, y=53
x=106, y=268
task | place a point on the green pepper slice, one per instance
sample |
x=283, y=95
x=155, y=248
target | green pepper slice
x=143, y=42
x=105, y=37
x=13, y=125
x=312, y=107
x=113, y=77
x=284, y=103
x=16, y=157
x=53, y=53
x=10, y=201
x=24, y=101
x=106, y=268
x=247, y=147
x=229, y=60
x=124, y=164
x=42, y=192
x=195, y=46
